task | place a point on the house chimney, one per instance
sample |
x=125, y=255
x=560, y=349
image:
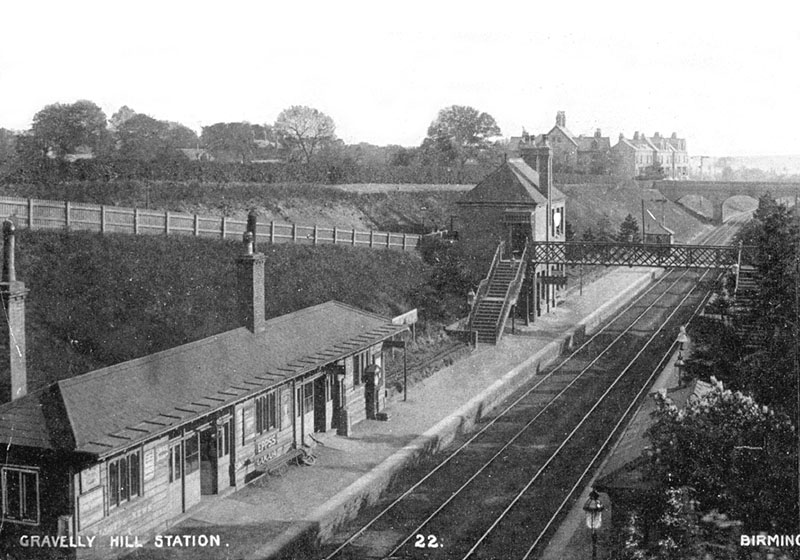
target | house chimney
x=636, y=135
x=621, y=136
x=250, y=286
x=15, y=384
x=251, y=227
x=597, y=133
x=561, y=119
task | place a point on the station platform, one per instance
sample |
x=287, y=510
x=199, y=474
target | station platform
x=284, y=516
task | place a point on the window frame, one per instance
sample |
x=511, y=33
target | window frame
x=114, y=467
x=20, y=471
x=268, y=416
x=191, y=466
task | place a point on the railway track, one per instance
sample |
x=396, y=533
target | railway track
x=500, y=493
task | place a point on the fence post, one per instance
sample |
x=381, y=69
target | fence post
x=136, y=221
x=166, y=222
x=196, y=226
x=354, y=236
x=224, y=227
x=371, y=237
x=388, y=239
x=102, y=218
x=294, y=233
x=404, y=242
x=66, y=215
x=30, y=213
x=272, y=232
x=334, y=235
x=315, y=234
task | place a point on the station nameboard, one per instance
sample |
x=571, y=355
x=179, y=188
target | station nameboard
x=554, y=280
x=407, y=318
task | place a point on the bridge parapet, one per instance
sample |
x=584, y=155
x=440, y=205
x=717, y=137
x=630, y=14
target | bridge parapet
x=636, y=254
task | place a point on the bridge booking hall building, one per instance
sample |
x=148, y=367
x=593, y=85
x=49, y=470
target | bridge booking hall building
x=499, y=218
x=127, y=449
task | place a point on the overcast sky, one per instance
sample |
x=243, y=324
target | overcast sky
x=724, y=77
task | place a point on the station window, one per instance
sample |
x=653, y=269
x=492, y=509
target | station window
x=192, y=446
x=308, y=397
x=360, y=363
x=124, y=478
x=20, y=495
x=175, y=461
x=267, y=417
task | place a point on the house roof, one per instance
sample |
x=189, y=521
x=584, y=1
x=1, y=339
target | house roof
x=514, y=182
x=563, y=130
x=586, y=143
x=112, y=408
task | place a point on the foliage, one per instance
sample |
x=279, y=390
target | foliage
x=228, y=141
x=459, y=134
x=734, y=453
x=450, y=280
x=628, y=230
x=9, y=157
x=61, y=129
x=304, y=129
x=588, y=235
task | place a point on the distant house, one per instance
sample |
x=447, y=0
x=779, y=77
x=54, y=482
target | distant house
x=564, y=145
x=656, y=156
x=131, y=448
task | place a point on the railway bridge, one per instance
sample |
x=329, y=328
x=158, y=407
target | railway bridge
x=717, y=192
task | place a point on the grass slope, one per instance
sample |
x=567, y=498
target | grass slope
x=98, y=300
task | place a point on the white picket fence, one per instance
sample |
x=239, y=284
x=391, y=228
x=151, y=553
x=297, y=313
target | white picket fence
x=49, y=214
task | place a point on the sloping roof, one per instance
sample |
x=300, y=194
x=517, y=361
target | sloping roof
x=585, y=143
x=114, y=407
x=514, y=182
x=564, y=131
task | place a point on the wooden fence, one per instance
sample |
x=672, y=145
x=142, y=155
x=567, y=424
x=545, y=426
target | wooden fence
x=49, y=214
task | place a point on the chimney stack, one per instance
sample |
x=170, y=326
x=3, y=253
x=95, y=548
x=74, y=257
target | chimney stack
x=250, y=286
x=13, y=294
x=561, y=119
x=597, y=133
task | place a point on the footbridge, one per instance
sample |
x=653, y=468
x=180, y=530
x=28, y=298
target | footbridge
x=717, y=192
x=634, y=254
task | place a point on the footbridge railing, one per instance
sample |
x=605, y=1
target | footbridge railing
x=638, y=254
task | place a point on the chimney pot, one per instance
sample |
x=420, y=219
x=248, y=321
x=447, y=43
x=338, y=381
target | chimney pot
x=9, y=268
x=13, y=300
x=247, y=238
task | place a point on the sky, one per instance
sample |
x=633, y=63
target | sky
x=724, y=77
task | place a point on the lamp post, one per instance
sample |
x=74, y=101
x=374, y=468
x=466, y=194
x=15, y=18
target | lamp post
x=594, y=517
x=679, y=365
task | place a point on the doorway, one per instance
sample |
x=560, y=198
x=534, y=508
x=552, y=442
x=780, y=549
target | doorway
x=208, y=461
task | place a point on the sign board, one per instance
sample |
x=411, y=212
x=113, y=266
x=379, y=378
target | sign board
x=407, y=318
x=149, y=464
x=162, y=452
x=554, y=280
x=90, y=508
x=90, y=478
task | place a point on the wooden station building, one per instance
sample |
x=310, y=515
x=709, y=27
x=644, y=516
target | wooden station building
x=128, y=449
x=514, y=205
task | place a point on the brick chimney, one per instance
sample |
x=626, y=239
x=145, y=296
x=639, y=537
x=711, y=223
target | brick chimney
x=13, y=295
x=561, y=119
x=250, y=286
x=598, y=133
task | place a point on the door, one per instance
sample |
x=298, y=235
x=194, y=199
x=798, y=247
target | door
x=320, y=399
x=519, y=233
x=225, y=476
x=175, y=479
x=208, y=461
x=337, y=394
x=304, y=405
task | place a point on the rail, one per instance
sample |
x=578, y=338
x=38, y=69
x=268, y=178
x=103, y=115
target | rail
x=483, y=286
x=52, y=215
x=512, y=293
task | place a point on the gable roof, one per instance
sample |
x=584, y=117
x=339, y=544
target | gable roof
x=115, y=407
x=585, y=143
x=564, y=131
x=514, y=182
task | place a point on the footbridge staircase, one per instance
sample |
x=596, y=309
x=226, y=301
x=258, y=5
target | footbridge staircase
x=497, y=294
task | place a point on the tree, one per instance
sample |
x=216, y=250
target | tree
x=459, y=134
x=179, y=136
x=60, y=129
x=141, y=138
x=230, y=141
x=123, y=114
x=9, y=157
x=736, y=455
x=304, y=129
x=628, y=230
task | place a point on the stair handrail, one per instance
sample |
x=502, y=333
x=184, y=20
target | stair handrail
x=483, y=285
x=512, y=292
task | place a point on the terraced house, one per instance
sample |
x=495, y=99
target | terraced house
x=131, y=448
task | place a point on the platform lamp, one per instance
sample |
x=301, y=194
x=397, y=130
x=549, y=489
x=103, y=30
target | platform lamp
x=594, y=517
x=679, y=365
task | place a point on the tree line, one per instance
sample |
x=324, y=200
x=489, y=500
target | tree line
x=74, y=141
